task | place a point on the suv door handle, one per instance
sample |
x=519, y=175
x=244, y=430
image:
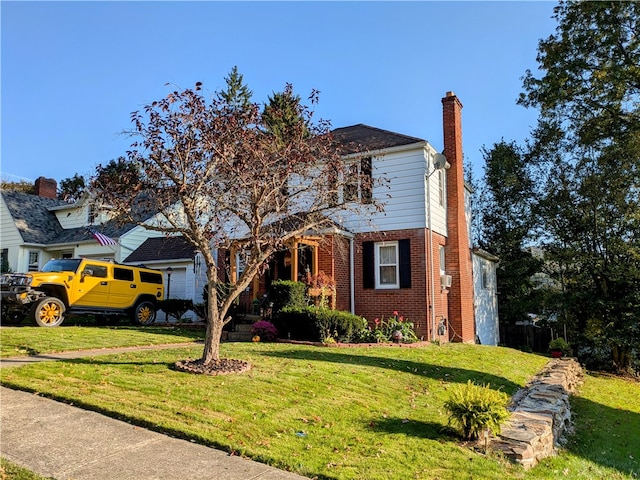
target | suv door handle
x=103, y=283
x=133, y=285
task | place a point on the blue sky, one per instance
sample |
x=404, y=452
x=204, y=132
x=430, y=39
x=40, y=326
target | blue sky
x=72, y=72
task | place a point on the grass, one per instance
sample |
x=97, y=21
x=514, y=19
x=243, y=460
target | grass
x=11, y=471
x=22, y=341
x=335, y=413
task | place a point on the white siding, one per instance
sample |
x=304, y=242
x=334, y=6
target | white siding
x=402, y=194
x=9, y=236
x=485, y=300
x=73, y=217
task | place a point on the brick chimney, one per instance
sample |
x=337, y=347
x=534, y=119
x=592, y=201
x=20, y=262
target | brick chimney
x=46, y=187
x=458, y=261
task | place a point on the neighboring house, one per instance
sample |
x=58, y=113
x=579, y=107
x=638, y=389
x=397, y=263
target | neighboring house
x=36, y=228
x=414, y=258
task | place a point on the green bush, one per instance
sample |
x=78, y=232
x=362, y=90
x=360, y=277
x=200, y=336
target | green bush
x=474, y=408
x=319, y=324
x=286, y=293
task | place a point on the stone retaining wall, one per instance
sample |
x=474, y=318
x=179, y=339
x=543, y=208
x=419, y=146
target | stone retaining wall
x=540, y=413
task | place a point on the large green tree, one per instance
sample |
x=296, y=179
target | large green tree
x=588, y=135
x=505, y=202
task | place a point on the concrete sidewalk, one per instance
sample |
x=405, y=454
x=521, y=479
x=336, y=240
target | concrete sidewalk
x=57, y=440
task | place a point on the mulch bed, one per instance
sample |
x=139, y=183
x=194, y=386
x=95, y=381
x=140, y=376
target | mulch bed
x=224, y=366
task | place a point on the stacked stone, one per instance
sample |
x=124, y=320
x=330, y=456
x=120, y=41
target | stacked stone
x=541, y=413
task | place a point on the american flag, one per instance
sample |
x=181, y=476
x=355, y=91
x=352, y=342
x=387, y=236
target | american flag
x=102, y=239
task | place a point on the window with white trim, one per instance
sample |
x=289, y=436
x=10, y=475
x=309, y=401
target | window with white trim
x=441, y=187
x=387, y=264
x=358, y=184
x=442, y=261
x=34, y=264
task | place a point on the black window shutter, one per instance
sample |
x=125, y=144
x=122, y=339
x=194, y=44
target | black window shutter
x=404, y=253
x=368, y=266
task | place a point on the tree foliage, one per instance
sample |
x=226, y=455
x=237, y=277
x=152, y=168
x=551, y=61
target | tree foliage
x=71, y=188
x=213, y=171
x=588, y=136
x=21, y=186
x=506, y=201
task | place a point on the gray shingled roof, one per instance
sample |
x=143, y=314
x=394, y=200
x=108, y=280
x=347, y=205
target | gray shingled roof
x=162, y=248
x=37, y=224
x=363, y=138
x=32, y=217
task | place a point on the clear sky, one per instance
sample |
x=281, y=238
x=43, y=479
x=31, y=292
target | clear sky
x=72, y=72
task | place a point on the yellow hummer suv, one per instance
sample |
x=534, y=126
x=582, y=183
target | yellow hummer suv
x=81, y=286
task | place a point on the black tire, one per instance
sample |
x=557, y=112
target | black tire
x=48, y=312
x=144, y=313
x=10, y=317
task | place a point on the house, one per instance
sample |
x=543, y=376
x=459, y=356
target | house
x=37, y=227
x=415, y=257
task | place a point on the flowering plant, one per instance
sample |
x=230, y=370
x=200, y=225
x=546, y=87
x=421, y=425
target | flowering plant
x=267, y=331
x=383, y=330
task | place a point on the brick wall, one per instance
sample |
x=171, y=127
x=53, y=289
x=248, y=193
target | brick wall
x=409, y=302
x=458, y=253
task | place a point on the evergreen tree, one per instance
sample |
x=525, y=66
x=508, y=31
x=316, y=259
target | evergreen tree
x=237, y=95
x=507, y=209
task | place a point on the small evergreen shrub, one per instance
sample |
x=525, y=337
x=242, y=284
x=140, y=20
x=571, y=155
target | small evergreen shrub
x=474, y=408
x=267, y=331
x=286, y=293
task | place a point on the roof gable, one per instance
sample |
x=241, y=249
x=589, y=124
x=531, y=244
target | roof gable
x=32, y=218
x=363, y=138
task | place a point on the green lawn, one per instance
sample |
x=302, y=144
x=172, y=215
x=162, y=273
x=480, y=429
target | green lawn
x=20, y=341
x=343, y=413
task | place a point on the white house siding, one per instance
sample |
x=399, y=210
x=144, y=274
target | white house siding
x=133, y=239
x=9, y=236
x=72, y=216
x=485, y=300
x=404, y=172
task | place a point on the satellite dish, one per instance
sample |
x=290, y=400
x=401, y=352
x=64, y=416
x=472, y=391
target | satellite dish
x=439, y=161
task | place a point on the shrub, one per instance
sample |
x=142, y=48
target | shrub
x=319, y=324
x=267, y=331
x=560, y=344
x=175, y=307
x=286, y=293
x=474, y=408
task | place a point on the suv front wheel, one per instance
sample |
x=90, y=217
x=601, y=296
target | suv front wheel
x=144, y=313
x=48, y=312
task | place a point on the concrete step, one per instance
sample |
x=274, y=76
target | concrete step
x=240, y=336
x=243, y=327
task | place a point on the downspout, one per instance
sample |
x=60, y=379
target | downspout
x=352, y=282
x=432, y=307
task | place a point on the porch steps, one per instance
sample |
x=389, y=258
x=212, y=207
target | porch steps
x=241, y=333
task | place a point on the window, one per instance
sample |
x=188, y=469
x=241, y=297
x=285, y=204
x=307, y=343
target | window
x=359, y=184
x=120, y=273
x=91, y=214
x=4, y=260
x=33, y=261
x=441, y=187
x=386, y=265
x=95, y=271
x=148, y=277
x=486, y=277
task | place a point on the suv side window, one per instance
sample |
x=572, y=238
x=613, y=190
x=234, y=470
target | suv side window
x=95, y=270
x=148, y=277
x=123, y=274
